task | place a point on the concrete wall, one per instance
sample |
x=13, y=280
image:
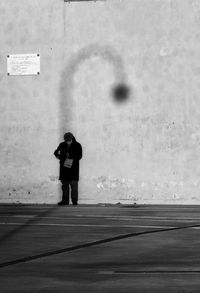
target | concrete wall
x=145, y=150
x=29, y=104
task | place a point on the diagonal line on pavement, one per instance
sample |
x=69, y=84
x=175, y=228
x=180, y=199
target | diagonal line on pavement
x=89, y=244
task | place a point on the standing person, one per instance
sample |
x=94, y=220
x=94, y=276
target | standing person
x=69, y=153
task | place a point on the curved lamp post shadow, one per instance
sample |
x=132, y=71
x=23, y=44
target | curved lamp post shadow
x=120, y=90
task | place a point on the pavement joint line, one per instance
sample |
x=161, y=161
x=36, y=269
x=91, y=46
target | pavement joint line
x=123, y=218
x=90, y=244
x=136, y=208
x=92, y=225
x=84, y=225
x=185, y=272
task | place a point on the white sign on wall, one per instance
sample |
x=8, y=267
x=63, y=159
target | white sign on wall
x=23, y=64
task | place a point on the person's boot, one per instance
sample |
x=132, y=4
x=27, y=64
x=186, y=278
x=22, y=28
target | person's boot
x=63, y=203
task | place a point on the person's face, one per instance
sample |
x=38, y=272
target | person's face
x=68, y=141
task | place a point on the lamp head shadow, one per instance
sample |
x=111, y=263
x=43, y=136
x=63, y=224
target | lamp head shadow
x=121, y=92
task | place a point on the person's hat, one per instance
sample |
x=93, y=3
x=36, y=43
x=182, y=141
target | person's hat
x=68, y=136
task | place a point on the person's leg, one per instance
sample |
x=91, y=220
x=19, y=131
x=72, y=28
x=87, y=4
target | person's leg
x=65, y=192
x=74, y=192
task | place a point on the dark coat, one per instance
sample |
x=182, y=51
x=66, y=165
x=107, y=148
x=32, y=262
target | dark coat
x=75, y=153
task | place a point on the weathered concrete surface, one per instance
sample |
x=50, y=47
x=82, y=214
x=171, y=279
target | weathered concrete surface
x=145, y=150
x=29, y=125
x=149, y=257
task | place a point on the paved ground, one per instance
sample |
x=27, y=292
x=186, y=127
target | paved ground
x=46, y=248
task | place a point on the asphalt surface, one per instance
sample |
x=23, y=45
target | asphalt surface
x=113, y=248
